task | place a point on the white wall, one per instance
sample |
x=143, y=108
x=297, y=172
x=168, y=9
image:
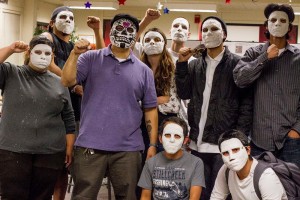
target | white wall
x=11, y=26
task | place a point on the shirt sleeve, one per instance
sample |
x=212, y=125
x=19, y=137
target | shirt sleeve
x=5, y=69
x=150, y=97
x=67, y=114
x=83, y=67
x=198, y=178
x=270, y=186
x=183, y=78
x=249, y=68
x=146, y=178
x=220, y=190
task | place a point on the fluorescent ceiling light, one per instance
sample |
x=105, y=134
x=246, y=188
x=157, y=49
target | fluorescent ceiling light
x=296, y=10
x=94, y=5
x=192, y=7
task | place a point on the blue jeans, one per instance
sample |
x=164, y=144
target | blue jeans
x=212, y=164
x=289, y=153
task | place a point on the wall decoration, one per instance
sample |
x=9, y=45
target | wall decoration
x=88, y=4
x=166, y=10
x=121, y=2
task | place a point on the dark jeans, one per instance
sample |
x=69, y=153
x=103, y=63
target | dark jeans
x=88, y=170
x=289, y=153
x=212, y=164
x=29, y=176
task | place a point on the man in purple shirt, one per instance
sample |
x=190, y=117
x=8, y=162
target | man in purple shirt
x=118, y=88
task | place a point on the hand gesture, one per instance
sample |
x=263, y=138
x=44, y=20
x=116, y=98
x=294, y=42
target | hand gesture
x=19, y=46
x=272, y=51
x=93, y=22
x=152, y=14
x=81, y=46
x=184, y=54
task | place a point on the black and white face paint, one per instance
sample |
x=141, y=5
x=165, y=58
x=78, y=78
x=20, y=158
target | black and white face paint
x=180, y=30
x=153, y=43
x=278, y=23
x=123, y=33
x=212, y=33
x=64, y=22
x=41, y=55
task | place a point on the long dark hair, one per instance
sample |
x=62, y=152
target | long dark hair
x=165, y=72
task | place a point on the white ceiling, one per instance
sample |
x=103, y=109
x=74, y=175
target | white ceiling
x=221, y=5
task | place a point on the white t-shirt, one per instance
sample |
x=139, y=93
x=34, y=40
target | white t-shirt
x=269, y=185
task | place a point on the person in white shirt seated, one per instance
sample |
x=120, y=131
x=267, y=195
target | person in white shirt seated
x=235, y=150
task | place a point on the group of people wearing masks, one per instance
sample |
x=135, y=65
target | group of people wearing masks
x=132, y=102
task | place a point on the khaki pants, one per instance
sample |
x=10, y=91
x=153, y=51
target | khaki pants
x=89, y=167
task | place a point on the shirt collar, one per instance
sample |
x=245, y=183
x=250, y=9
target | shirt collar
x=219, y=57
x=107, y=52
x=288, y=47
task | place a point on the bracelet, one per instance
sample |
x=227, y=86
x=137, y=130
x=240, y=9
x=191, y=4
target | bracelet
x=152, y=145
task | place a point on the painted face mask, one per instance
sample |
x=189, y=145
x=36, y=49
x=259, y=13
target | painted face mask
x=64, y=22
x=180, y=30
x=234, y=154
x=212, y=33
x=172, y=138
x=278, y=23
x=123, y=33
x=153, y=43
x=40, y=56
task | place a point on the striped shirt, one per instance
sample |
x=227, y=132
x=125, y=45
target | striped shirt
x=276, y=85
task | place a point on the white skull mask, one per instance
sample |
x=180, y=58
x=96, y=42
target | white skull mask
x=123, y=33
x=234, y=154
x=64, y=22
x=278, y=23
x=212, y=33
x=153, y=43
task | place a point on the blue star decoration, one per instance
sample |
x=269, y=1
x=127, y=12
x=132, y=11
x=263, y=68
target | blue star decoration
x=166, y=10
x=87, y=4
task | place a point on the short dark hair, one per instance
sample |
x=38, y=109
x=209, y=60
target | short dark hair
x=58, y=10
x=40, y=39
x=175, y=120
x=134, y=20
x=227, y=135
x=279, y=7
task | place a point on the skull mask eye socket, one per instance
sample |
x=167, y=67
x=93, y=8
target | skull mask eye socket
x=119, y=28
x=130, y=30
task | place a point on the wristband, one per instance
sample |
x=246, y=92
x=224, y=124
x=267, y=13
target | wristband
x=152, y=145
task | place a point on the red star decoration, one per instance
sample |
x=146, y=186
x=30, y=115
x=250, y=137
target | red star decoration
x=121, y=2
x=227, y=1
